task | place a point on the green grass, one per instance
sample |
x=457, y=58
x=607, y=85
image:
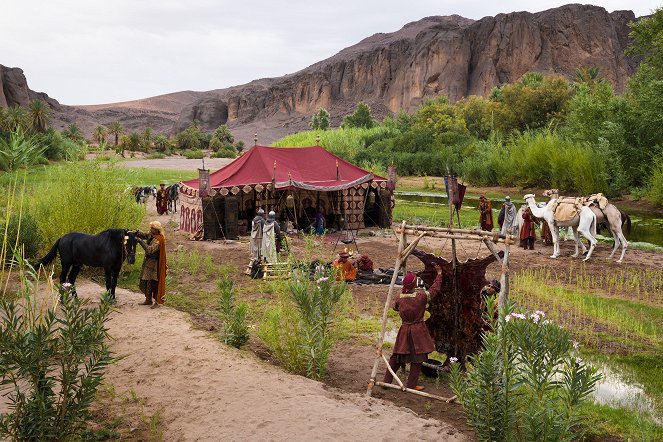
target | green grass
x=433, y=214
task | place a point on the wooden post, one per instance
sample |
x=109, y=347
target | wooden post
x=504, y=278
x=387, y=304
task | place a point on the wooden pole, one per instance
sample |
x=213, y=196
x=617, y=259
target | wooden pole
x=385, y=313
x=420, y=393
x=456, y=236
x=493, y=250
x=504, y=280
x=453, y=230
x=398, y=380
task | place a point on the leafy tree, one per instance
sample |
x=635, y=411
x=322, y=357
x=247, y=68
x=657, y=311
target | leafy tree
x=116, y=129
x=40, y=115
x=361, y=117
x=532, y=79
x=239, y=146
x=320, y=120
x=589, y=76
x=645, y=88
x=445, y=120
x=478, y=114
x=99, y=135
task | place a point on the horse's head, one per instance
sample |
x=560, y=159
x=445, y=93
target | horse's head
x=130, y=245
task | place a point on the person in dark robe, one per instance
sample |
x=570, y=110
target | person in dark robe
x=319, y=226
x=546, y=235
x=153, y=272
x=486, y=213
x=528, y=231
x=162, y=200
x=307, y=215
x=413, y=342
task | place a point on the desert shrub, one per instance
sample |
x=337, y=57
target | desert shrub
x=85, y=197
x=527, y=384
x=20, y=150
x=23, y=234
x=235, y=328
x=59, y=147
x=300, y=330
x=53, y=360
x=193, y=154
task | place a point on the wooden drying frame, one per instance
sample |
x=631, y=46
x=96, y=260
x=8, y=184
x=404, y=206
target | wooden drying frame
x=404, y=250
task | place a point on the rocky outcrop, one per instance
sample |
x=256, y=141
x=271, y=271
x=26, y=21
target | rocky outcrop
x=453, y=56
x=14, y=90
x=449, y=55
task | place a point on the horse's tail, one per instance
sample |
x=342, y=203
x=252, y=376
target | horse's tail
x=50, y=256
x=626, y=220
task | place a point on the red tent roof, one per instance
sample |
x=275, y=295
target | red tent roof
x=312, y=168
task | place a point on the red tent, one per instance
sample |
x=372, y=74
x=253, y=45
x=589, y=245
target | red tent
x=269, y=177
x=310, y=168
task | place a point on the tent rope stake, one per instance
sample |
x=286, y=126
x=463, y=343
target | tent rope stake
x=404, y=250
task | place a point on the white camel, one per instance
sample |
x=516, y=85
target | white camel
x=611, y=217
x=584, y=223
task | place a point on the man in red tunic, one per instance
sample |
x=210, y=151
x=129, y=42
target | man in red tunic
x=528, y=232
x=486, y=211
x=413, y=342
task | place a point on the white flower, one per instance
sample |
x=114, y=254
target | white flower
x=453, y=359
x=578, y=361
x=575, y=345
x=507, y=318
x=535, y=317
x=540, y=313
x=66, y=285
x=323, y=279
x=519, y=316
x=547, y=321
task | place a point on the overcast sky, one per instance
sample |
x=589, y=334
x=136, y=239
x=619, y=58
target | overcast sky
x=93, y=51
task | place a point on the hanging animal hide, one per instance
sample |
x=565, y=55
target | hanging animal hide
x=456, y=322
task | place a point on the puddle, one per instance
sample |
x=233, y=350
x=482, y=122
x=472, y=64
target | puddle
x=615, y=391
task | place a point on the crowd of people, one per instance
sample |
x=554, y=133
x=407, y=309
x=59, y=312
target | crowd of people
x=509, y=224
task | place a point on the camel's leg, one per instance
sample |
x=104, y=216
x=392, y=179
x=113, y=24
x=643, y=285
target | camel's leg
x=555, y=235
x=576, y=239
x=585, y=228
x=622, y=239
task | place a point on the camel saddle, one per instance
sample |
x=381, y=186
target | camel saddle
x=566, y=208
x=597, y=199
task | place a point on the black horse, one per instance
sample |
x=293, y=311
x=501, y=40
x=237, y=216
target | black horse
x=107, y=249
x=173, y=193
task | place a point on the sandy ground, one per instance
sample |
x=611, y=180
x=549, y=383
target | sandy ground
x=206, y=391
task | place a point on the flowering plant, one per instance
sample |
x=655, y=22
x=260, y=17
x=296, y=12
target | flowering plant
x=528, y=382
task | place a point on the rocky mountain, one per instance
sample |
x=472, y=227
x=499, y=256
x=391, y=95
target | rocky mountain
x=448, y=55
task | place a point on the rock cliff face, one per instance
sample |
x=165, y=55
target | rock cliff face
x=449, y=55
x=452, y=55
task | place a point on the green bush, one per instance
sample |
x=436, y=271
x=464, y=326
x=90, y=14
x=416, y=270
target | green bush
x=54, y=362
x=193, y=154
x=656, y=189
x=235, y=328
x=59, y=147
x=84, y=197
x=300, y=330
x=527, y=384
x=225, y=153
x=20, y=150
x=23, y=233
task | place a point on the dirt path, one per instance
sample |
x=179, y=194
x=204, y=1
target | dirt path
x=204, y=390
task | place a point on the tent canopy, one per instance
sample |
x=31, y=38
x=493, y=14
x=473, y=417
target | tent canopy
x=311, y=168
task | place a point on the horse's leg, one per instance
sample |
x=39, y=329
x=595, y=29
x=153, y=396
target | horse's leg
x=108, y=272
x=585, y=228
x=576, y=239
x=115, y=274
x=75, y=269
x=65, y=271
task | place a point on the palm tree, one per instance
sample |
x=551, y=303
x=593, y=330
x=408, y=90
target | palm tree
x=3, y=120
x=116, y=129
x=99, y=135
x=16, y=117
x=74, y=133
x=147, y=138
x=40, y=114
x=161, y=142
